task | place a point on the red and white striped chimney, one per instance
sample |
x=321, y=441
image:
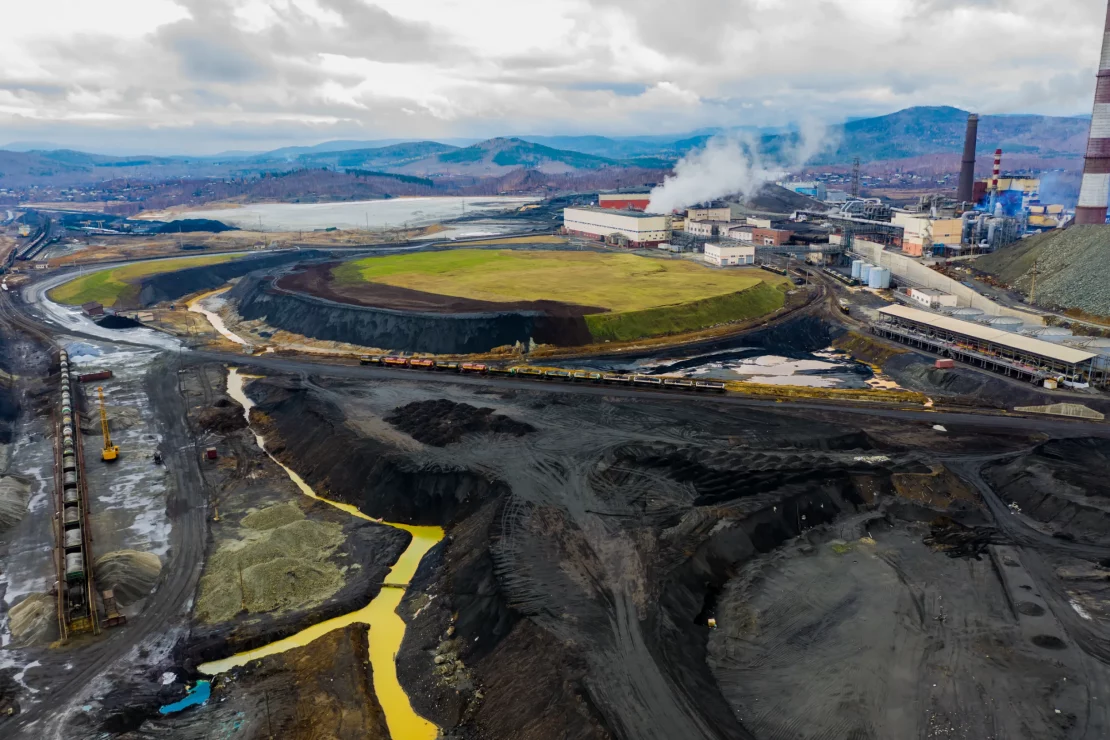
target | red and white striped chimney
x=997, y=171
x=1096, y=167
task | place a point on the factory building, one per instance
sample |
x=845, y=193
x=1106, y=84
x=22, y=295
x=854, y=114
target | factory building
x=617, y=227
x=712, y=213
x=922, y=232
x=624, y=201
x=1004, y=352
x=812, y=189
x=706, y=229
x=729, y=255
x=932, y=298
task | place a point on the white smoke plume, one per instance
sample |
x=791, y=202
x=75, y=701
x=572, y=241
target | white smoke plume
x=734, y=165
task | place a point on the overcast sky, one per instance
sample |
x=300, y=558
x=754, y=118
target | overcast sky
x=202, y=76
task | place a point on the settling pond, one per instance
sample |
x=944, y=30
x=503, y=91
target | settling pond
x=362, y=214
x=825, y=368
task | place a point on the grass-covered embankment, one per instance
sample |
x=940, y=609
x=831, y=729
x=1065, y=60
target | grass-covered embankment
x=618, y=282
x=758, y=300
x=119, y=285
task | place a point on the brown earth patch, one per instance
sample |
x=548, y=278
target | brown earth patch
x=317, y=280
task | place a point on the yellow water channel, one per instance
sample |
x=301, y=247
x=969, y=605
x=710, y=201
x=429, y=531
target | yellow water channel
x=387, y=629
x=213, y=318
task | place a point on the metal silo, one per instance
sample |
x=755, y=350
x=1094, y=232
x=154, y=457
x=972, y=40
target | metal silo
x=856, y=266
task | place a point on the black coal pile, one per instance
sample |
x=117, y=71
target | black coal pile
x=444, y=422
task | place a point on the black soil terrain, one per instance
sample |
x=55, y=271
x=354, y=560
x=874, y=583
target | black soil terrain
x=442, y=422
x=1062, y=485
x=653, y=568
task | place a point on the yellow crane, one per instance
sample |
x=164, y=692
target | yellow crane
x=110, y=451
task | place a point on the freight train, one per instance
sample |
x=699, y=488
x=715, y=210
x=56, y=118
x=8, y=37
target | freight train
x=539, y=373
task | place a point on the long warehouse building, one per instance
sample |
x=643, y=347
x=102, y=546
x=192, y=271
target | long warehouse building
x=621, y=228
x=1004, y=352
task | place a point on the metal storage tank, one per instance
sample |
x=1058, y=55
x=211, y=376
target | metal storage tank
x=73, y=537
x=967, y=314
x=1048, y=331
x=75, y=566
x=1006, y=323
x=1098, y=345
x=884, y=278
x=857, y=265
x=865, y=272
x=875, y=278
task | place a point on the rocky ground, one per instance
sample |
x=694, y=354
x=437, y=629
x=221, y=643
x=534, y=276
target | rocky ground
x=1070, y=269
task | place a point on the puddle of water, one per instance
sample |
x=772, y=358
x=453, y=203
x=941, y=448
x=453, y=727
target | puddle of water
x=387, y=629
x=197, y=306
x=197, y=695
x=826, y=368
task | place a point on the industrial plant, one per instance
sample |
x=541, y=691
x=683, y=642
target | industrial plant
x=759, y=429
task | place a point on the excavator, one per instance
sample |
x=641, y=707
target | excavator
x=110, y=451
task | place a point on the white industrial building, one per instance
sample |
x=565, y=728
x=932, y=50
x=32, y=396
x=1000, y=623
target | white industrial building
x=706, y=228
x=623, y=228
x=713, y=213
x=932, y=298
x=728, y=255
x=741, y=233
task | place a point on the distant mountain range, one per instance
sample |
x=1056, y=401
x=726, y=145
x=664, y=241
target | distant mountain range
x=909, y=133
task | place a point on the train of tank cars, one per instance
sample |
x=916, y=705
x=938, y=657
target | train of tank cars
x=540, y=373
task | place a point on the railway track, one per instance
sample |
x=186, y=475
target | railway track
x=14, y=319
x=557, y=374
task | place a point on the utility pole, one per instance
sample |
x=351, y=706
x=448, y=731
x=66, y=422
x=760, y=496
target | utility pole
x=242, y=590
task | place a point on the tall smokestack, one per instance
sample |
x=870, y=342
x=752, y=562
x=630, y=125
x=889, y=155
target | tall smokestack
x=1096, y=167
x=997, y=171
x=967, y=171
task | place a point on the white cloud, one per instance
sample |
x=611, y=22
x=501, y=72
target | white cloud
x=362, y=69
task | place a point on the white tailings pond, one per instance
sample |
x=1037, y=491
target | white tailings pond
x=365, y=214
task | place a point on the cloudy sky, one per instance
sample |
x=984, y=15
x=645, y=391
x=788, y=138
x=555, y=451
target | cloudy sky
x=202, y=76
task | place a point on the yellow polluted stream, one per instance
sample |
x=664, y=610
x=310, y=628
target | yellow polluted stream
x=386, y=628
x=214, y=319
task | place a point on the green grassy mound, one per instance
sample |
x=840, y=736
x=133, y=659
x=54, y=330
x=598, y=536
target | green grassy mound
x=122, y=284
x=758, y=300
x=618, y=282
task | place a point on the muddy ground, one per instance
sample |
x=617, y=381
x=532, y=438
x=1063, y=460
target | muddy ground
x=586, y=558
